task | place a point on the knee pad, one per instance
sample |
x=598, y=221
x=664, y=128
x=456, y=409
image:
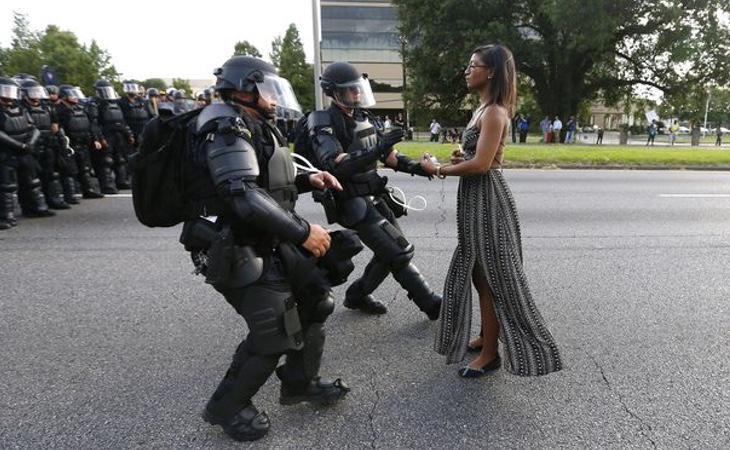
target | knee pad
x=272, y=318
x=403, y=259
x=8, y=179
x=108, y=161
x=387, y=242
x=323, y=308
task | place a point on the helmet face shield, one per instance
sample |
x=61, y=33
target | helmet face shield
x=35, y=93
x=355, y=94
x=107, y=93
x=277, y=90
x=130, y=88
x=8, y=91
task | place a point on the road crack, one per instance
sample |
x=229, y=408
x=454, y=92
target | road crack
x=644, y=428
x=371, y=413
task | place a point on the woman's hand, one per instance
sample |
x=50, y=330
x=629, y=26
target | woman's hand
x=428, y=166
x=457, y=156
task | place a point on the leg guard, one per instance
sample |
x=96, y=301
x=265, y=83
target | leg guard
x=245, y=376
x=69, y=190
x=102, y=163
x=89, y=183
x=302, y=366
x=358, y=294
x=122, y=175
x=54, y=193
x=418, y=290
x=8, y=185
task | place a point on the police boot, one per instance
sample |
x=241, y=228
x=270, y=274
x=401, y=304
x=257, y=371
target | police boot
x=54, y=194
x=7, y=210
x=358, y=294
x=230, y=405
x=107, y=181
x=33, y=202
x=247, y=424
x=90, y=186
x=418, y=290
x=299, y=375
x=122, y=176
x=69, y=191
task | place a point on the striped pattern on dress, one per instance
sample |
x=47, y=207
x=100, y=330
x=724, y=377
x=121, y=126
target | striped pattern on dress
x=489, y=235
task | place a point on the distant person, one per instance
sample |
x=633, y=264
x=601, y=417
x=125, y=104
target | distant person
x=399, y=122
x=651, y=131
x=673, y=129
x=718, y=133
x=515, y=126
x=387, y=123
x=557, y=126
x=545, y=129
x=435, y=130
x=599, y=139
x=524, y=127
x=570, y=128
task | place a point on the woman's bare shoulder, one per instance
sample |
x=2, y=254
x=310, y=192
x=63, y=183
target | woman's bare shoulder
x=495, y=113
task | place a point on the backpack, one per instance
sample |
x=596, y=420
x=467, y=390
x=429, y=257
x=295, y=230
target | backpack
x=157, y=171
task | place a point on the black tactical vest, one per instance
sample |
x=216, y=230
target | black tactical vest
x=280, y=172
x=16, y=123
x=79, y=125
x=41, y=118
x=110, y=116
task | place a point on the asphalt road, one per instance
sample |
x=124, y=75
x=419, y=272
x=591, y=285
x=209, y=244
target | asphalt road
x=108, y=341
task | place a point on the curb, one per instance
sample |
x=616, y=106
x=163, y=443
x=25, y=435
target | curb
x=613, y=167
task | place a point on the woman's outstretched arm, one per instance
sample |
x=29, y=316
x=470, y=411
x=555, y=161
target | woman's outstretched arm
x=493, y=123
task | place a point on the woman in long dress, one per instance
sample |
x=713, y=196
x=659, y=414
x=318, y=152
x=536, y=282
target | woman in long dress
x=489, y=250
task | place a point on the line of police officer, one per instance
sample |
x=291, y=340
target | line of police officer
x=54, y=141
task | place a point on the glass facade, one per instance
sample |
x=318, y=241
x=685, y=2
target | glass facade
x=365, y=34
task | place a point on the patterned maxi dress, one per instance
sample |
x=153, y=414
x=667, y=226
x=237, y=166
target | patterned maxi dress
x=489, y=235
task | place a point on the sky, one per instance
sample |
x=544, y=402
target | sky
x=179, y=41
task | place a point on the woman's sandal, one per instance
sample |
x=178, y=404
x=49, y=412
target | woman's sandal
x=491, y=366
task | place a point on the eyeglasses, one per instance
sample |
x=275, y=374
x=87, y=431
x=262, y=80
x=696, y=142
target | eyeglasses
x=470, y=67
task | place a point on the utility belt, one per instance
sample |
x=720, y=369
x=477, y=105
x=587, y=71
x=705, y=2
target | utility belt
x=218, y=255
x=368, y=184
x=361, y=185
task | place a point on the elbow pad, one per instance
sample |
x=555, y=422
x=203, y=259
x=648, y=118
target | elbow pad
x=34, y=138
x=230, y=157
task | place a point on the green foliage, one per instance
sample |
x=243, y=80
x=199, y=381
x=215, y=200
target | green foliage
x=179, y=83
x=690, y=105
x=244, y=48
x=157, y=83
x=571, y=50
x=75, y=63
x=287, y=55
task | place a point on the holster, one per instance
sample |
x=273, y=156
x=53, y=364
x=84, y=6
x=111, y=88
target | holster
x=398, y=209
x=327, y=200
x=229, y=264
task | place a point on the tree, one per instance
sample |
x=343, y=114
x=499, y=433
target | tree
x=157, y=83
x=244, y=48
x=287, y=55
x=571, y=50
x=179, y=83
x=75, y=63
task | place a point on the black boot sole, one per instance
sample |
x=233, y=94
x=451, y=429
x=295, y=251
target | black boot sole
x=319, y=401
x=237, y=436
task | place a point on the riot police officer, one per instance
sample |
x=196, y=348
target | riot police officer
x=246, y=178
x=66, y=160
x=346, y=142
x=48, y=146
x=137, y=111
x=84, y=139
x=116, y=142
x=18, y=137
x=153, y=98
